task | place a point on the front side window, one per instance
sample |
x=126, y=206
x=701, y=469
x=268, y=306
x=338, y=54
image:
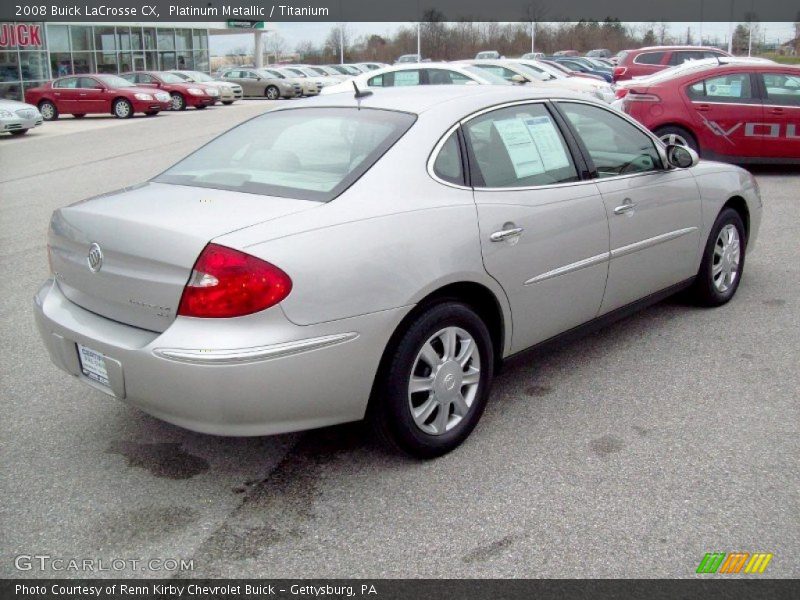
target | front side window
x=649, y=58
x=734, y=87
x=88, y=83
x=615, y=146
x=308, y=154
x=782, y=88
x=447, y=165
x=410, y=77
x=519, y=146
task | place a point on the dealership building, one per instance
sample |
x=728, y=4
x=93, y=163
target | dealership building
x=32, y=53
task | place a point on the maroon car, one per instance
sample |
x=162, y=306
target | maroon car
x=182, y=93
x=79, y=95
x=649, y=60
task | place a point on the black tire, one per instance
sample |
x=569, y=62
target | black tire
x=43, y=108
x=201, y=106
x=704, y=292
x=178, y=101
x=390, y=410
x=272, y=93
x=151, y=113
x=79, y=115
x=682, y=136
x=122, y=109
x=227, y=102
x=19, y=132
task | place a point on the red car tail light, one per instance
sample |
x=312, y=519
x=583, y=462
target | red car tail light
x=619, y=71
x=228, y=283
x=621, y=93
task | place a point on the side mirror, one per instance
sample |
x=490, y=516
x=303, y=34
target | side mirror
x=681, y=157
x=518, y=79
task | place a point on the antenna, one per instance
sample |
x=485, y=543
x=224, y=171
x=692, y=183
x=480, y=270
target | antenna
x=361, y=93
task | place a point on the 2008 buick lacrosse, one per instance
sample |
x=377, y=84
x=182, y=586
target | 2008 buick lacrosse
x=379, y=256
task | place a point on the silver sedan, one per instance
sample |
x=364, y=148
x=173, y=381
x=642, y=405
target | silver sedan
x=379, y=255
x=17, y=118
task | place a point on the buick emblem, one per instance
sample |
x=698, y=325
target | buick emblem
x=95, y=258
x=449, y=381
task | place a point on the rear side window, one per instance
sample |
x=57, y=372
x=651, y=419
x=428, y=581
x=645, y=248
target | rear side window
x=308, y=154
x=69, y=82
x=445, y=77
x=447, y=165
x=725, y=88
x=679, y=57
x=615, y=145
x=649, y=58
x=782, y=88
x=518, y=146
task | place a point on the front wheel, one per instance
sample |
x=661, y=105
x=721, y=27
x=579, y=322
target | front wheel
x=272, y=93
x=434, y=384
x=122, y=109
x=178, y=101
x=227, y=102
x=48, y=110
x=723, y=261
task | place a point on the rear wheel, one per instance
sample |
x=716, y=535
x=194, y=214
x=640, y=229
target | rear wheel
x=178, y=101
x=227, y=102
x=48, y=110
x=272, y=93
x=672, y=134
x=723, y=261
x=433, y=387
x=122, y=109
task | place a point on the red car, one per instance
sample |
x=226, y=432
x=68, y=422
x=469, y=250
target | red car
x=79, y=95
x=736, y=112
x=182, y=92
x=646, y=61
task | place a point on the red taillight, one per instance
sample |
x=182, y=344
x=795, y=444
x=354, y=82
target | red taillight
x=229, y=283
x=619, y=72
x=621, y=93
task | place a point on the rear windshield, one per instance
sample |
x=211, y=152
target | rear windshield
x=303, y=153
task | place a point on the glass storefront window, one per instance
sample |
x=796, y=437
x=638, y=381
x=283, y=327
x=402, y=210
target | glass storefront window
x=167, y=61
x=149, y=38
x=201, y=60
x=33, y=65
x=58, y=38
x=11, y=91
x=104, y=39
x=136, y=38
x=151, y=59
x=9, y=66
x=60, y=64
x=123, y=38
x=183, y=39
x=185, y=61
x=81, y=36
x=125, y=62
x=83, y=62
x=106, y=62
x=166, y=39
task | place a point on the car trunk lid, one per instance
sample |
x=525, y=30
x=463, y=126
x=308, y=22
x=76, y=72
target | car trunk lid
x=146, y=240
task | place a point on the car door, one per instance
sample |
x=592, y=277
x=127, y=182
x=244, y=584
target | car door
x=781, y=96
x=727, y=114
x=653, y=212
x=66, y=94
x=543, y=228
x=92, y=97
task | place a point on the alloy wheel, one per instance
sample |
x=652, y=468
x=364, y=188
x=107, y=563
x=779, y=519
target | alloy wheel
x=47, y=111
x=444, y=380
x=727, y=255
x=122, y=109
x=675, y=139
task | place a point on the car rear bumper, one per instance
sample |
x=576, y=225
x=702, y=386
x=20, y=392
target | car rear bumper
x=263, y=375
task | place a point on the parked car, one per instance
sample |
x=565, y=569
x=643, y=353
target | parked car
x=599, y=53
x=344, y=265
x=324, y=71
x=408, y=58
x=570, y=71
x=582, y=65
x=229, y=92
x=17, y=118
x=80, y=95
x=310, y=82
x=419, y=74
x=646, y=61
x=567, y=53
x=264, y=83
x=182, y=93
x=532, y=56
x=371, y=66
x=487, y=54
x=594, y=87
x=348, y=70
x=731, y=111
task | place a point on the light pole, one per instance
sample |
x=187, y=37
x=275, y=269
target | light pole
x=419, y=41
x=341, y=43
x=533, y=37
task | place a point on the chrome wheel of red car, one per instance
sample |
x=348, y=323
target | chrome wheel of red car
x=48, y=110
x=178, y=101
x=123, y=109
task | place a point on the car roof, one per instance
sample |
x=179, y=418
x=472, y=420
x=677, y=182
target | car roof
x=676, y=48
x=408, y=99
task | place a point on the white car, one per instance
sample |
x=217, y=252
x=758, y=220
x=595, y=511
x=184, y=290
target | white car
x=17, y=118
x=518, y=73
x=599, y=89
x=324, y=71
x=419, y=74
x=303, y=71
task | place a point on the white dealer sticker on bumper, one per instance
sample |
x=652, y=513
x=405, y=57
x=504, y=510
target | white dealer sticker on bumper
x=93, y=364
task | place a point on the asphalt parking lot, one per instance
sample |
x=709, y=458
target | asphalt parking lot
x=629, y=453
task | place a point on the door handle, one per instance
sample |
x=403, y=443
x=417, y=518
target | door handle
x=506, y=234
x=776, y=111
x=703, y=107
x=627, y=206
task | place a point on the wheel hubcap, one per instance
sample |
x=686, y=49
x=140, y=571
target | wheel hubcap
x=177, y=102
x=271, y=94
x=122, y=109
x=47, y=111
x=674, y=139
x=727, y=254
x=444, y=380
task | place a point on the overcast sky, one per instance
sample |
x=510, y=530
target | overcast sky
x=295, y=33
